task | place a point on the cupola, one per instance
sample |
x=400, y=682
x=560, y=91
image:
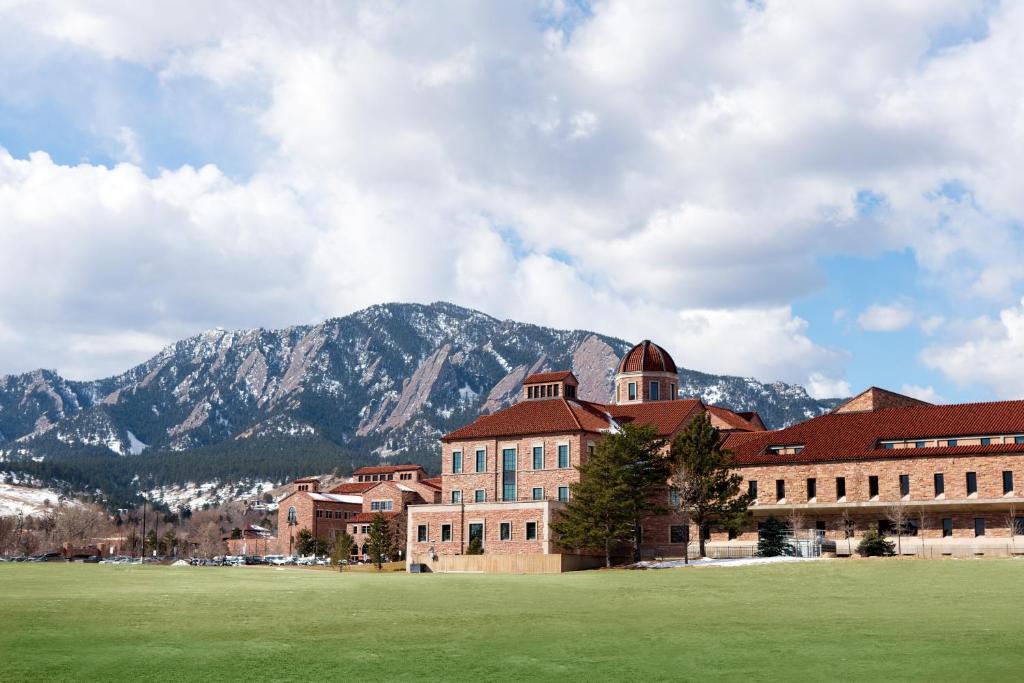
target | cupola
x=646, y=373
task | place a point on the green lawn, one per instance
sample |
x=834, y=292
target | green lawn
x=844, y=619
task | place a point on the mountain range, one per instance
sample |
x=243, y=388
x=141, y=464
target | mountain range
x=382, y=383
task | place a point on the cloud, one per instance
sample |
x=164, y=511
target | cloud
x=993, y=358
x=927, y=393
x=671, y=170
x=885, y=318
x=820, y=386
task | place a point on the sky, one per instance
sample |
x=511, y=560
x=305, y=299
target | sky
x=821, y=193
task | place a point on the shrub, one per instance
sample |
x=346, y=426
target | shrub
x=475, y=547
x=875, y=545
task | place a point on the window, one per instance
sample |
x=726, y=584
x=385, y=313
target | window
x=563, y=494
x=1007, y=481
x=456, y=462
x=554, y=387
x=366, y=528
x=421, y=533
x=446, y=533
x=752, y=489
x=563, y=455
x=819, y=526
x=508, y=474
x=1018, y=526
x=986, y=441
x=780, y=489
x=812, y=488
x=476, y=530
x=531, y=528
x=677, y=533
x=655, y=391
x=506, y=531
x=381, y=505
x=951, y=442
x=293, y=517
x=481, y=460
x=947, y=527
x=888, y=446
x=979, y=526
x=456, y=496
x=904, y=485
x=319, y=513
x=538, y=493
x=840, y=488
x=872, y=486
x=940, y=484
x=570, y=391
x=1018, y=439
x=919, y=444
x=673, y=496
x=671, y=391
x=479, y=496
x=972, y=483
x=538, y=457
x=355, y=529
x=631, y=391
x=591, y=449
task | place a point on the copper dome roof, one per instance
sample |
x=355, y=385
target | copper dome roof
x=647, y=357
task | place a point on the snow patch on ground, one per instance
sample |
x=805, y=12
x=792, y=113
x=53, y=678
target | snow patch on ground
x=25, y=500
x=708, y=562
x=134, y=445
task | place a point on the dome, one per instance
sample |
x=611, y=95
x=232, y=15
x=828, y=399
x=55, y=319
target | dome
x=647, y=357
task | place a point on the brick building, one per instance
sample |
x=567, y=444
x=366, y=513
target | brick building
x=350, y=506
x=506, y=475
x=950, y=473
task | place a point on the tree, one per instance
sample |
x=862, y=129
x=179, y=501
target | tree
x=305, y=544
x=708, y=488
x=341, y=549
x=380, y=540
x=874, y=545
x=849, y=529
x=1014, y=524
x=772, y=539
x=899, y=516
x=605, y=508
x=475, y=546
x=169, y=543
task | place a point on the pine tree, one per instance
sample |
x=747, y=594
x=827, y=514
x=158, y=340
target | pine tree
x=614, y=494
x=709, y=491
x=380, y=539
x=874, y=545
x=772, y=540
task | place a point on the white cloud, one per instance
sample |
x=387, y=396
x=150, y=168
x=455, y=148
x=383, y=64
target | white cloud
x=671, y=170
x=927, y=393
x=820, y=386
x=993, y=358
x=885, y=318
x=932, y=324
x=129, y=141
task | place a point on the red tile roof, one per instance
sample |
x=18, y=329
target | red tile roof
x=856, y=436
x=734, y=420
x=647, y=357
x=563, y=416
x=367, y=517
x=547, y=377
x=434, y=482
x=388, y=469
x=353, y=487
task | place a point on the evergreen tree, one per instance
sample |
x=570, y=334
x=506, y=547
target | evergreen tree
x=305, y=544
x=709, y=491
x=380, y=539
x=615, y=492
x=772, y=539
x=475, y=546
x=874, y=545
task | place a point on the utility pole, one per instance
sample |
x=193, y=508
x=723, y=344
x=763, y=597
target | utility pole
x=142, y=553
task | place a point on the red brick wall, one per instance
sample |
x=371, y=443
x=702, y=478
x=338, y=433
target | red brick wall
x=305, y=509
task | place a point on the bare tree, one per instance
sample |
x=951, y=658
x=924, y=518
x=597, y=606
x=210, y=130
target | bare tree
x=77, y=524
x=849, y=529
x=8, y=534
x=1014, y=525
x=898, y=515
x=211, y=542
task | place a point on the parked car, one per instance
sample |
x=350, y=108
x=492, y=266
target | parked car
x=92, y=559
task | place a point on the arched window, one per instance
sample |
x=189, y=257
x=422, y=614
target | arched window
x=293, y=516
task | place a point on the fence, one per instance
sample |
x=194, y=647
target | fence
x=512, y=564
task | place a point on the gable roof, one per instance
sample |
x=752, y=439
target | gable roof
x=564, y=416
x=735, y=420
x=546, y=377
x=353, y=487
x=856, y=435
x=387, y=469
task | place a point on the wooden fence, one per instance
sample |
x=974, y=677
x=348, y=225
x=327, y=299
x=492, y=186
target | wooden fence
x=512, y=564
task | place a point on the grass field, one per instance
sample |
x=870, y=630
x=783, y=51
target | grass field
x=894, y=620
